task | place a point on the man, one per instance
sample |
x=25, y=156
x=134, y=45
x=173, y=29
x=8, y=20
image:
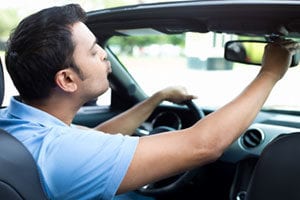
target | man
x=56, y=65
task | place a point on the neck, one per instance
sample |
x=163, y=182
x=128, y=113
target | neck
x=64, y=108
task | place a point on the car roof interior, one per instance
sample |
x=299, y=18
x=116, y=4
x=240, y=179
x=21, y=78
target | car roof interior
x=271, y=18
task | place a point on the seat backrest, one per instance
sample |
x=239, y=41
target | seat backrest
x=1, y=83
x=277, y=173
x=19, y=177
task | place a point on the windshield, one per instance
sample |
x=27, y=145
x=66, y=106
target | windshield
x=196, y=61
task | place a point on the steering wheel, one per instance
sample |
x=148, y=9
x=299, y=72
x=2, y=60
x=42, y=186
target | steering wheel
x=173, y=183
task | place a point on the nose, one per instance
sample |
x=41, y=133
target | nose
x=103, y=54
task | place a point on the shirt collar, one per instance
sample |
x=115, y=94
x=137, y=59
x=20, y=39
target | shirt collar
x=26, y=112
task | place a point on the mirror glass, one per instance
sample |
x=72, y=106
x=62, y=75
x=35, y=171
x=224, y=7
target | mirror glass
x=250, y=52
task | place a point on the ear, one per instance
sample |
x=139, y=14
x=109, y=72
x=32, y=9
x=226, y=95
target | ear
x=66, y=80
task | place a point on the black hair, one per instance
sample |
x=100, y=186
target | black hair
x=39, y=47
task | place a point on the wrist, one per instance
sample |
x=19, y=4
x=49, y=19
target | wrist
x=159, y=97
x=272, y=77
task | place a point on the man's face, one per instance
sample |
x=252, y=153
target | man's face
x=92, y=61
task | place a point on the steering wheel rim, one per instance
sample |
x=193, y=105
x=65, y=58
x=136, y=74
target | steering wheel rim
x=179, y=180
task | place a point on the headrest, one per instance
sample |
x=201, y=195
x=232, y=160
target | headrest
x=1, y=83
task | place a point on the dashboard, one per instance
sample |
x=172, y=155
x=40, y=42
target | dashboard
x=266, y=127
x=253, y=141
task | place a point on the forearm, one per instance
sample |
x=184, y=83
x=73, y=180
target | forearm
x=127, y=122
x=225, y=125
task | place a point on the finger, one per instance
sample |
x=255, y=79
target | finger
x=288, y=44
x=292, y=47
x=285, y=41
x=190, y=97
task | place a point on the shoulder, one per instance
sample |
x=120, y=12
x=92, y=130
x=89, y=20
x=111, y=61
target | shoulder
x=89, y=137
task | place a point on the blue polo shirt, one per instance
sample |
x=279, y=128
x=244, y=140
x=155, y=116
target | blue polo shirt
x=73, y=163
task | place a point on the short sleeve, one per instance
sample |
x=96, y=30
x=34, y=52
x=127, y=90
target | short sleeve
x=80, y=164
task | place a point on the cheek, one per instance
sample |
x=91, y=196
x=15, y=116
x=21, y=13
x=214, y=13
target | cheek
x=100, y=72
x=101, y=67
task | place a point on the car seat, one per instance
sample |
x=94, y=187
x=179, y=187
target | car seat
x=277, y=173
x=19, y=177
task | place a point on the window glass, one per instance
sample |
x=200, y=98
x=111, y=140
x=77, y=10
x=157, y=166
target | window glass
x=196, y=61
x=9, y=88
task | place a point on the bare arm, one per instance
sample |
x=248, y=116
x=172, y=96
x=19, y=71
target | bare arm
x=128, y=121
x=204, y=142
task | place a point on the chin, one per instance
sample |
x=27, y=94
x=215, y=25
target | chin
x=100, y=92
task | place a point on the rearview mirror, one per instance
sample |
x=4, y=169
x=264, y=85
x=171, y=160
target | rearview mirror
x=249, y=52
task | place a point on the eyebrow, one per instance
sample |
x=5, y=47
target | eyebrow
x=94, y=43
